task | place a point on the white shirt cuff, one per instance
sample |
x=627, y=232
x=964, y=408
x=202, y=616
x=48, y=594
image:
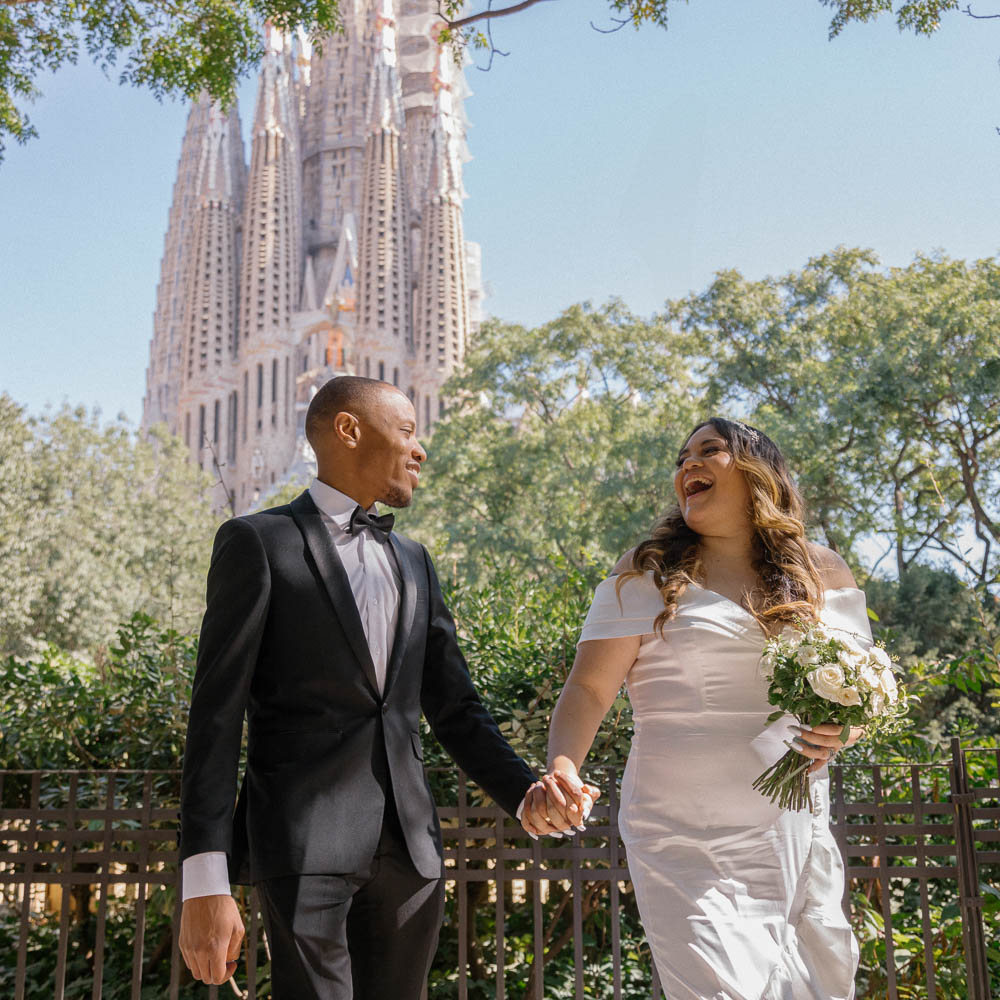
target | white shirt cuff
x=205, y=874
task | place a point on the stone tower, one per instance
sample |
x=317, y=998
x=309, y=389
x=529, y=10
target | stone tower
x=340, y=250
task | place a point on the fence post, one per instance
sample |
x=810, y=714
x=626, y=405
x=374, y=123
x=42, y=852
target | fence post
x=970, y=902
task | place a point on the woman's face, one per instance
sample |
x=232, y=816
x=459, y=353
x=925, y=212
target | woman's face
x=712, y=492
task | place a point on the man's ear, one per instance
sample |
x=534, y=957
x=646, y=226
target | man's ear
x=347, y=429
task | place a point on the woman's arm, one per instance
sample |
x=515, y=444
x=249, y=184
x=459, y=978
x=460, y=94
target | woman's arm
x=597, y=676
x=598, y=673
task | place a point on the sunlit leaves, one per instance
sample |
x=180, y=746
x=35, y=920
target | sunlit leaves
x=95, y=523
x=923, y=17
x=557, y=446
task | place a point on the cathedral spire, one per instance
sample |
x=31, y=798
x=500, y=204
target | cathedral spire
x=209, y=327
x=441, y=315
x=333, y=133
x=163, y=376
x=384, y=280
x=272, y=231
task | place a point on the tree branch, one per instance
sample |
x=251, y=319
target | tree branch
x=620, y=23
x=484, y=15
x=980, y=17
x=494, y=51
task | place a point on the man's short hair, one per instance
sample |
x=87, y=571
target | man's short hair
x=353, y=393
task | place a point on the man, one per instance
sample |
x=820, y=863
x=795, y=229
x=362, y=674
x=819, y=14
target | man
x=329, y=633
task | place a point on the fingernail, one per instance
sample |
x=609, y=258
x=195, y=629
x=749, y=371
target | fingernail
x=534, y=836
x=582, y=829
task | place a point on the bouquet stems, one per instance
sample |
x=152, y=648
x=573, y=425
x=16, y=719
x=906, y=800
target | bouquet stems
x=787, y=782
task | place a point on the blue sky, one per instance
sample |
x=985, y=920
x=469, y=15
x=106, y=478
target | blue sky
x=634, y=164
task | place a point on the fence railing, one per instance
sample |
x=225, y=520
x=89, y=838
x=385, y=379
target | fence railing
x=88, y=872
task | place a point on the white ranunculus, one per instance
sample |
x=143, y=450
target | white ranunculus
x=827, y=681
x=807, y=654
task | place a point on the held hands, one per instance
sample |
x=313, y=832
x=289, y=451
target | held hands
x=211, y=935
x=558, y=802
x=822, y=742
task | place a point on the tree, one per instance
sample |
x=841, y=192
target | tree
x=190, y=47
x=556, y=450
x=883, y=388
x=96, y=523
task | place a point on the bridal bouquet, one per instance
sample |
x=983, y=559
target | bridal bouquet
x=821, y=675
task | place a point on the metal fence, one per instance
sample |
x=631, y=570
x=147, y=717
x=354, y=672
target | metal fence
x=88, y=907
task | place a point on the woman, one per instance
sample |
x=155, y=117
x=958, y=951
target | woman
x=740, y=900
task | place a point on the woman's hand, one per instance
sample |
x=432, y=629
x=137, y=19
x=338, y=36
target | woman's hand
x=558, y=802
x=823, y=741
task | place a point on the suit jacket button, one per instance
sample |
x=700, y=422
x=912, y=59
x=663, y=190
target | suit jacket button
x=385, y=708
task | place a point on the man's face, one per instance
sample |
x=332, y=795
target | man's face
x=391, y=452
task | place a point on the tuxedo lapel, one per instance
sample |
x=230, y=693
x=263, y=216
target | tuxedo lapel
x=334, y=577
x=407, y=608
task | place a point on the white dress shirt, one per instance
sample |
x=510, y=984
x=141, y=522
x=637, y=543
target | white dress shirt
x=374, y=579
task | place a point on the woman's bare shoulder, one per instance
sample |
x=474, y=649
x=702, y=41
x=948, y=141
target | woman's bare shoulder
x=833, y=571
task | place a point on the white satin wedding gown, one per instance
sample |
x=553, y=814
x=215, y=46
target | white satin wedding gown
x=739, y=900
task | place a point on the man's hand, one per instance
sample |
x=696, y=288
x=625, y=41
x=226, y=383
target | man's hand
x=211, y=935
x=559, y=802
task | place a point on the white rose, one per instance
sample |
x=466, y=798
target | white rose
x=879, y=658
x=827, y=681
x=850, y=656
x=870, y=677
x=849, y=696
x=887, y=685
x=877, y=703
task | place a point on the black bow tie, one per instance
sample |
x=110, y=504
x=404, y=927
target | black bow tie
x=379, y=526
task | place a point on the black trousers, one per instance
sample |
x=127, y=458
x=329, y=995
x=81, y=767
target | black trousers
x=368, y=935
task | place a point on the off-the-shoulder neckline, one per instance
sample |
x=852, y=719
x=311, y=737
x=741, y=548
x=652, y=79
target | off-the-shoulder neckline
x=707, y=590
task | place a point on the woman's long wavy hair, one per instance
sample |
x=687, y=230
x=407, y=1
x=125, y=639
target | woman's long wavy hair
x=789, y=587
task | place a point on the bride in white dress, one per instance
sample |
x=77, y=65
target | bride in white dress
x=739, y=900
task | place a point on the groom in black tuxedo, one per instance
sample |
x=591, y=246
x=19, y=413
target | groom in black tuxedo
x=328, y=632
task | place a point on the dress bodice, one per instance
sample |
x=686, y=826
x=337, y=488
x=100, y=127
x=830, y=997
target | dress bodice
x=707, y=658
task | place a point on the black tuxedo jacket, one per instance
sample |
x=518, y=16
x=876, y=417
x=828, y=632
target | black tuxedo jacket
x=282, y=643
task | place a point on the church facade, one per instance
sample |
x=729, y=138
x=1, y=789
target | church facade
x=339, y=250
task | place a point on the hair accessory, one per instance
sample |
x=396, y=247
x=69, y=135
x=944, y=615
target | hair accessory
x=753, y=435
